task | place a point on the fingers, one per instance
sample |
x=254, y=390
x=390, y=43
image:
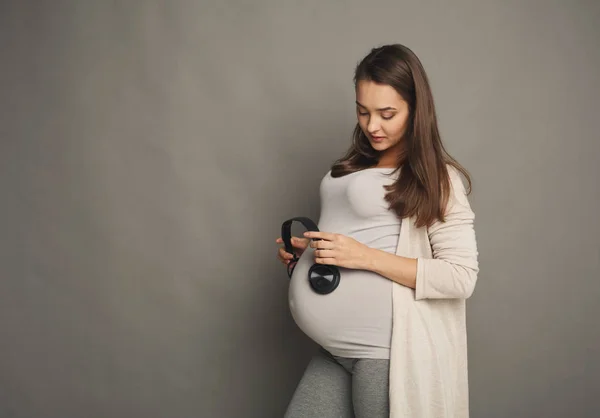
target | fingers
x=321, y=254
x=299, y=243
x=296, y=242
x=284, y=256
x=322, y=244
x=329, y=236
x=328, y=261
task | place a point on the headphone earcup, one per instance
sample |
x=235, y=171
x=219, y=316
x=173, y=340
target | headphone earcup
x=323, y=278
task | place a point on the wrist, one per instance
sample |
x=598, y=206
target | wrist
x=399, y=269
x=371, y=258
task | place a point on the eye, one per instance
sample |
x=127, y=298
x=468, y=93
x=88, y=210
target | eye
x=387, y=117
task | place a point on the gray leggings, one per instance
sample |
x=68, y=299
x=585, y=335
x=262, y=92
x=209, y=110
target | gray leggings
x=337, y=387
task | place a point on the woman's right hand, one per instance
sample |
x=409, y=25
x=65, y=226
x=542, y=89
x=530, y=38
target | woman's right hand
x=299, y=245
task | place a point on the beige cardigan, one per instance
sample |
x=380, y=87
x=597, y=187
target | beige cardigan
x=428, y=357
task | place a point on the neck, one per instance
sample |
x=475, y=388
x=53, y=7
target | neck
x=391, y=157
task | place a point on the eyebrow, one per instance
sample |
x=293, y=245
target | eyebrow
x=380, y=110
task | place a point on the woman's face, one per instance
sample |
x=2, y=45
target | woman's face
x=382, y=115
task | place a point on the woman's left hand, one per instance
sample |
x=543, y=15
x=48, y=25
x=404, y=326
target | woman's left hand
x=338, y=250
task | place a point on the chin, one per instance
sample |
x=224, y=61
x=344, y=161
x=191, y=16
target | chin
x=379, y=146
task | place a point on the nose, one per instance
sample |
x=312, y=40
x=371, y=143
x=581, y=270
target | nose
x=373, y=126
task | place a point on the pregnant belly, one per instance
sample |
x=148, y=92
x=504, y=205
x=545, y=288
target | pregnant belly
x=355, y=320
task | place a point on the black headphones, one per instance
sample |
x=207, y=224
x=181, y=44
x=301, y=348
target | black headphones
x=322, y=278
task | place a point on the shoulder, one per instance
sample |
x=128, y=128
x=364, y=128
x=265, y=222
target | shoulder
x=327, y=175
x=458, y=190
x=326, y=178
x=454, y=175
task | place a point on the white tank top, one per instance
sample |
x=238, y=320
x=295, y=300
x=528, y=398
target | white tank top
x=355, y=320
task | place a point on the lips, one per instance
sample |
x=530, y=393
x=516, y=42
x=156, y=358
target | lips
x=377, y=138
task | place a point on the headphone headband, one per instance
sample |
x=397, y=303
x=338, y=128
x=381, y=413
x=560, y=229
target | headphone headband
x=286, y=230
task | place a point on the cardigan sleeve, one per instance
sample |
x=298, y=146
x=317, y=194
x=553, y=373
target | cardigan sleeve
x=452, y=272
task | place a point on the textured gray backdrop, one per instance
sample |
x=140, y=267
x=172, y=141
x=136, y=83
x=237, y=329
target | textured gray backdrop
x=151, y=149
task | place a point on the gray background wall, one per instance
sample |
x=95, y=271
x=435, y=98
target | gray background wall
x=149, y=152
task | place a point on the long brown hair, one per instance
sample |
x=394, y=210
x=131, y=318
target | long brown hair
x=423, y=185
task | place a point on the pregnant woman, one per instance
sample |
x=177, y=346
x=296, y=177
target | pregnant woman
x=396, y=222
